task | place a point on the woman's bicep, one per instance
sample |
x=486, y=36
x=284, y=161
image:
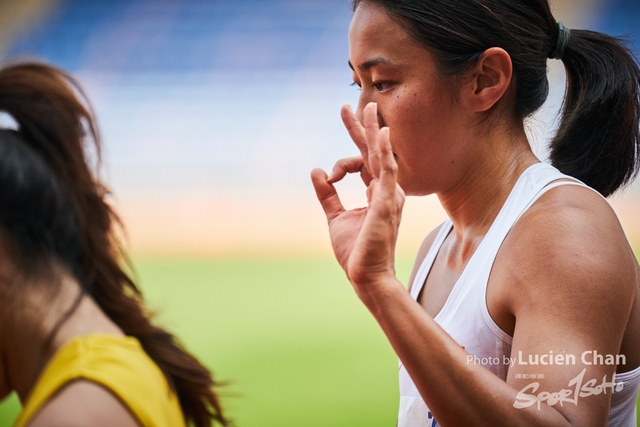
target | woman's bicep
x=571, y=304
x=553, y=362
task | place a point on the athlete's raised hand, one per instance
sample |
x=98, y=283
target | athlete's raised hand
x=364, y=239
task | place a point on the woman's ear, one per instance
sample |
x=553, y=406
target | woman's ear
x=490, y=80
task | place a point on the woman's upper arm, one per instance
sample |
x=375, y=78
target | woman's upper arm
x=570, y=280
x=84, y=403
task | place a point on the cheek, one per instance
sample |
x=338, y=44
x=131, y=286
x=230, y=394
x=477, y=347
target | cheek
x=417, y=127
x=412, y=111
x=423, y=136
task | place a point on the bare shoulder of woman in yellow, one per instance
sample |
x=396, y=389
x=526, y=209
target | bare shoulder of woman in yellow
x=84, y=403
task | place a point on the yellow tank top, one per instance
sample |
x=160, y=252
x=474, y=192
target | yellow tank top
x=117, y=363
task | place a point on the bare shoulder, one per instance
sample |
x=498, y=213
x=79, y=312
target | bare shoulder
x=569, y=247
x=422, y=253
x=565, y=280
x=84, y=403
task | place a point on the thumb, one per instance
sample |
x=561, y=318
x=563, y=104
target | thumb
x=327, y=194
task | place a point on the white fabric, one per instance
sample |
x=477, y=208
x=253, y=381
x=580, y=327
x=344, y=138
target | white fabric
x=465, y=315
x=623, y=403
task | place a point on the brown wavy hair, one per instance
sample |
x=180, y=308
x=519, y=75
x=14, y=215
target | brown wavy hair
x=53, y=209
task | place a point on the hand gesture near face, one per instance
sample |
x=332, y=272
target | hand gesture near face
x=364, y=239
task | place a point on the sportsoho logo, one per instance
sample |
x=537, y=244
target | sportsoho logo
x=576, y=388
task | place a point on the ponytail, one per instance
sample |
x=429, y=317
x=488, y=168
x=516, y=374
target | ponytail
x=598, y=140
x=54, y=122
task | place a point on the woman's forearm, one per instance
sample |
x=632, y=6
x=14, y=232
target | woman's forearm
x=456, y=392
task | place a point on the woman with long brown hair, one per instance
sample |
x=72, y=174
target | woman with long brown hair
x=76, y=343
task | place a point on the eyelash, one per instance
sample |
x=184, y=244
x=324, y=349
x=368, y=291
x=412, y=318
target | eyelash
x=378, y=85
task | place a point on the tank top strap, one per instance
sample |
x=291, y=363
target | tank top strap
x=427, y=262
x=532, y=184
x=529, y=186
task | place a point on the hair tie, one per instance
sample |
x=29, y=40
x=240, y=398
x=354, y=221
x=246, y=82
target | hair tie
x=561, y=44
x=7, y=121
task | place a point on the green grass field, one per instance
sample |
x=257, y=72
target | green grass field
x=289, y=335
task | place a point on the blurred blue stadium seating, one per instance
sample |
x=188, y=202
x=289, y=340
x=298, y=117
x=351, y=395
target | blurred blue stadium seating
x=191, y=94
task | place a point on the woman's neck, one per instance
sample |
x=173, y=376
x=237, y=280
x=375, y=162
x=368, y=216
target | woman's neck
x=36, y=334
x=476, y=199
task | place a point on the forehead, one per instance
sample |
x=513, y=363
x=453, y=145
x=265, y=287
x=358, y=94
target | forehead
x=372, y=17
x=373, y=33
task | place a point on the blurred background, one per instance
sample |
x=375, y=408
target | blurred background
x=213, y=113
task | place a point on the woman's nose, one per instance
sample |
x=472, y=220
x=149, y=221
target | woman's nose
x=362, y=102
x=360, y=109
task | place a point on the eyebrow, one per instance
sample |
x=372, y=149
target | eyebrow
x=367, y=65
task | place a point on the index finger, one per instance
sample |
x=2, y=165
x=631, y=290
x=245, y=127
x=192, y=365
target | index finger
x=356, y=131
x=372, y=131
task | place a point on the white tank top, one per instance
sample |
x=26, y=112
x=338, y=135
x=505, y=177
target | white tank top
x=466, y=318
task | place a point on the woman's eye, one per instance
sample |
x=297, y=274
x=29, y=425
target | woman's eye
x=380, y=86
x=356, y=84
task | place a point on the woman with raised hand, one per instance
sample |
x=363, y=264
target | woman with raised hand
x=76, y=342
x=523, y=306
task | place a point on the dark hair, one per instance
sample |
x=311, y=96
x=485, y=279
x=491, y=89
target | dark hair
x=53, y=211
x=598, y=139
